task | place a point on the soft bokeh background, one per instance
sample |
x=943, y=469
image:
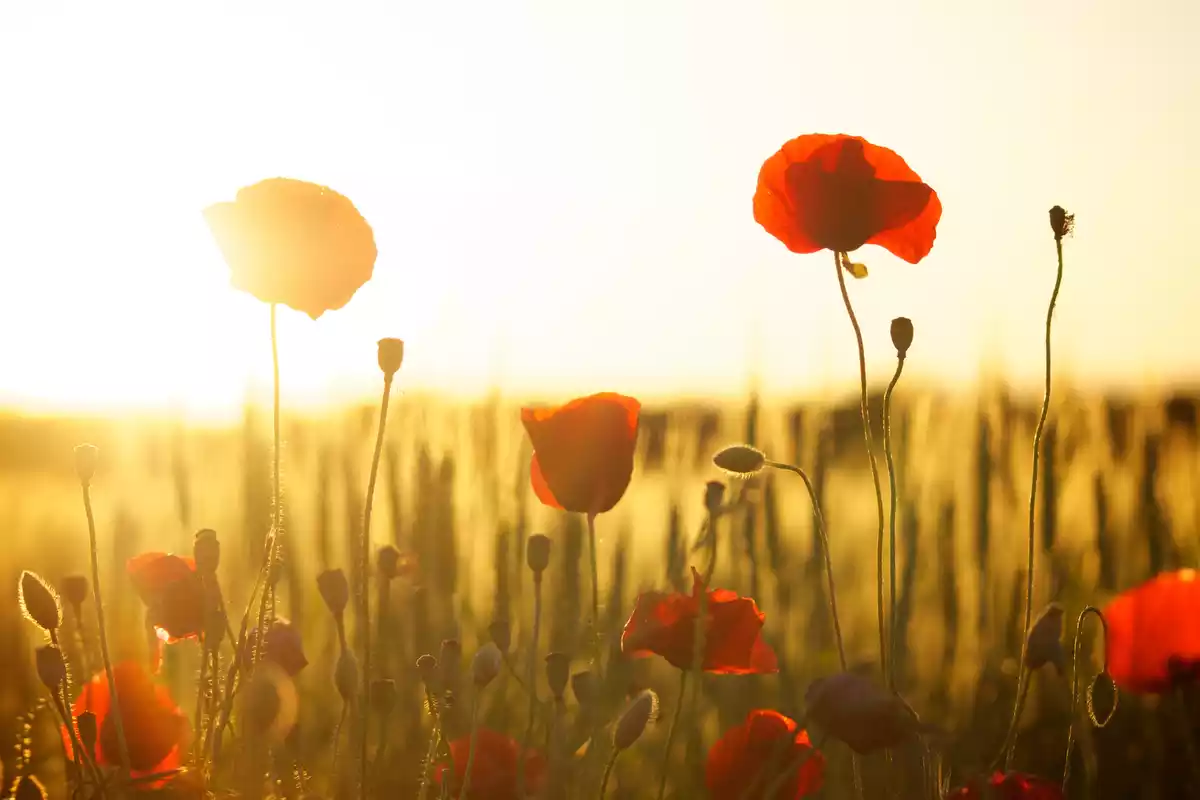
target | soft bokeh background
x=561, y=194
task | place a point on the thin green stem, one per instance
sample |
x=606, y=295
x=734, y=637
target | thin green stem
x=1011, y=739
x=79, y=753
x=198, y=725
x=364, y=602
x=608, y=769
x=214, y=703
x=122, y=742
x=824, y=536
x=870, y=440
x=891, y=468
x=275, y=536
x=1075, y=686
x=466, y=787
x=666, y=762
x=591, y=529
x=531, y=676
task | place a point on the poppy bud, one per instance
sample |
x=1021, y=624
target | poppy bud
x=85, y=723
x=537, y=554
x=206, y=551
x=335, y=590
x=86, y=456
x=345, y=675
x=39, y=602
x=388, y=561
x=1045, y=640
x=28, y=787
x=583, y=686
x=284, y=647
x=75, y=590
x=902, y=335
x=714, y=496
x=51, y=668
x=1061, y=222
x=486, y=664
x=427, y=667
x=501, y=633
x=558, y=673
x=383, y=695
x=391, y=354
x=740, y=460
x=633, y=721
x=450, y=661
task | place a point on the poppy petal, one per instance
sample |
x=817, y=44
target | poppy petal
x=540, y=487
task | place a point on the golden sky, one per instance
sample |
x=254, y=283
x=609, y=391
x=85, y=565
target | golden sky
x=561, y=191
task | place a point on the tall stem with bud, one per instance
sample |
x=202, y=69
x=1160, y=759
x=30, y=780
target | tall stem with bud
x=537, y=557
x=902, y=336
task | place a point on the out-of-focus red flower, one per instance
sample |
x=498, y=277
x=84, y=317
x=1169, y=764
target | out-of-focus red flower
x=292, y=242
x=494, y=773
x=156, y=730
x=1153, y=633
x=583, y=451
x=756, y=752
x=172, y=592
x=1008, y=786
x=665, y=624
x=837, y=192
x=861, y=713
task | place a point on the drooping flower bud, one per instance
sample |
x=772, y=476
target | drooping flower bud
x=632, y=723
x=740, y=460
x=335, y=591
x=86, y=458
x=206, y=551
x=1045, y=640
x=902, y=335
x=51, y=668
x=1061, y=222
x=537, y=554
x=75, y=590
x=558, y=673
x=39, y=602
x=391, y=355
x=486, y=664
x=427, y=668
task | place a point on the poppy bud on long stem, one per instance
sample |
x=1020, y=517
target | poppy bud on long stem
x=39, y=602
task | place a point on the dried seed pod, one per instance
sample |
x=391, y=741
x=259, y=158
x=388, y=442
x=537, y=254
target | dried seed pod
x=39, y=602
x=633, y=721
x=902, y=335
x=86, y=724
x=1061, y=222
x=486, y=664
x=537, y=554
x=387, y=558
x=740, y=460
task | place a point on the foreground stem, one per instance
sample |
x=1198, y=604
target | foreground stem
x=531, y=676
x=666, y=762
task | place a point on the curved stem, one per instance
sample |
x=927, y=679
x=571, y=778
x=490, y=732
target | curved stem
x=364, y=602
x=122, y=742
x=891, y=468
x=276, y=533
x=608, y=768
x=870, y=440
x=466, y=787
x=666, y=762
x=531, y=675
x=1075, y=683
x=79, y=751
x=824, y=536
x=1011, y=739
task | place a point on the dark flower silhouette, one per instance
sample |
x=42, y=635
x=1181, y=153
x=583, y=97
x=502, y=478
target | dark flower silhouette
x=172, y=591
x=754, y=753
x=583, y=451
x=861, y=713
x=1153, y=633
x=1008, y=786
x=665, y=624
x=283, y=646
x=494, y=772
x=296, y=243
x=838, y=192
x=155, y=729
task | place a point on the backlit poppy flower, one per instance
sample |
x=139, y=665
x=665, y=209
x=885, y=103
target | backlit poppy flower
x=494, y=771
x=665, y=624
x=838, y=192
x=756, y=753
x=296, y=243
x=156, y=730
x=1010, y=786
x=583, y=451
x=1153, y=633
x=172, y=592
x=861, y=713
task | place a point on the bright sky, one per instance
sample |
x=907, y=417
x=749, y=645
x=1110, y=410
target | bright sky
x=561, y=190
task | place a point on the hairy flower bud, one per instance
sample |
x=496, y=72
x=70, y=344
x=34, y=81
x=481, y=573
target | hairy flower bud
x=206, y=551
x=427, y=668
x=740, y=459
x=902, y=335
x=86, y=457
x=391, y=355
x=486, y=664
x=39, y=602
x=537, y=554
x=51, y=668
x=633, y=721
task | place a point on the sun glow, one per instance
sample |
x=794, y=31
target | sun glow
x=561, y=193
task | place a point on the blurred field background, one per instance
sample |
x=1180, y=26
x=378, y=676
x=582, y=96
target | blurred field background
x=1117, y=504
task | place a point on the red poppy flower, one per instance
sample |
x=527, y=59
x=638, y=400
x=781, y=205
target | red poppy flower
x=583, y=451
x=756, y=752
x=665, y=624
x=156, y=731
x=297, y=243
x=494, y=772
x=1010, y=786
x=172, y=592
x=838, y=192
x=1153, y=636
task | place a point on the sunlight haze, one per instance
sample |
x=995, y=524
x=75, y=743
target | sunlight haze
x=561, y=192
